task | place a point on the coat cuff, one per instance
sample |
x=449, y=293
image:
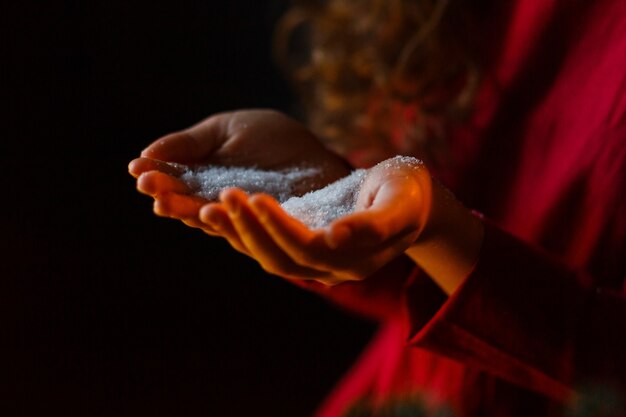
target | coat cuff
x=511, y=316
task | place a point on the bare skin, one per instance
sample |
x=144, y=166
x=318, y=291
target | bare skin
x=261, y=138
x=395, y=211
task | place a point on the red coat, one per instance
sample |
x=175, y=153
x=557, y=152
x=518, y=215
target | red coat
x=543, y=314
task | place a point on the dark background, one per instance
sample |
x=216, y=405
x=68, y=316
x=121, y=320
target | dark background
x=105, y=309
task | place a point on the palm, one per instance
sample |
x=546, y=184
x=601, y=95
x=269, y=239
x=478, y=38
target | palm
x=259, y=138
x=392, y=209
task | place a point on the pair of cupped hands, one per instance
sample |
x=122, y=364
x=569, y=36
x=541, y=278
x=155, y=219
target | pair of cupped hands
x=392, y=208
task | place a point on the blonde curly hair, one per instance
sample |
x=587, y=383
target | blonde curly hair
x=380, y=77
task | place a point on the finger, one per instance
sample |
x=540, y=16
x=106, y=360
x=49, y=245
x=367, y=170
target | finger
x=215, y=216
x=308, y=248
x=138, y=166
x=197, y=224
x=262, y=247
x=305, y=246
x=155, y=182
x=178, y=206
x=396, y=209
x=371, y=261
x=192, y=144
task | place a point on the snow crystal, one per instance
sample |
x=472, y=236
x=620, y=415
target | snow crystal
x=208, y=181
x=315, y=209
x=319, y=208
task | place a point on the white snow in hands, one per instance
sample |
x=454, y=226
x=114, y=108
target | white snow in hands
x=315, y=209
x=208, y=181
x=319, y=208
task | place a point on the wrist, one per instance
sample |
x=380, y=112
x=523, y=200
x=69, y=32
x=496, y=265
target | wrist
x=449, y=246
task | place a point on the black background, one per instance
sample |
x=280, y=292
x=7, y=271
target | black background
x=105, y=309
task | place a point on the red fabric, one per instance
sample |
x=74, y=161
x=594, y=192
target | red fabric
x=544, y=311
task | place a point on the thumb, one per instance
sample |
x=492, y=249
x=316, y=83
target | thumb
x=399, y=206
x=192, y=144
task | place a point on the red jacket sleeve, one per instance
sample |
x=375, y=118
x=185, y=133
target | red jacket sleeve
x=381, y=295
x=526, y=318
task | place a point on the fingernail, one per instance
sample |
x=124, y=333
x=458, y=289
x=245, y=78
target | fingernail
x=233, y=207
x=152, y=151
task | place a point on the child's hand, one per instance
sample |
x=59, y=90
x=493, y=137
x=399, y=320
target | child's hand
x=392, y=210
x=262, y=138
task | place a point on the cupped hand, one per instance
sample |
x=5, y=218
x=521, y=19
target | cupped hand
x=264, y=139
x=392, y=210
